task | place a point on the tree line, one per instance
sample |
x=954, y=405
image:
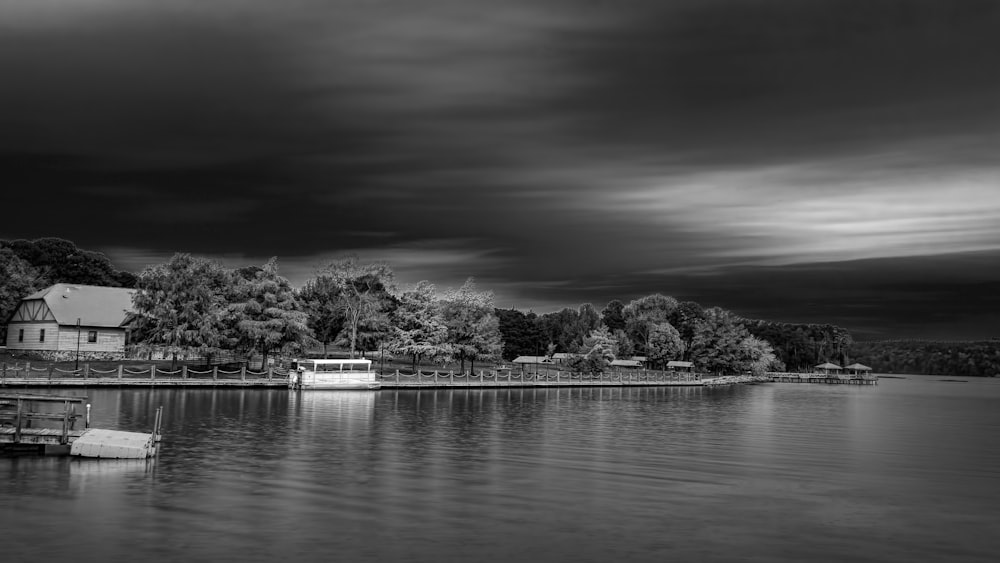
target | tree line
x=967, y=359
x=195, y=305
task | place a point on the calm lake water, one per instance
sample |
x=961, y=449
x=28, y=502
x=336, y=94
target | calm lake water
x=905, y=471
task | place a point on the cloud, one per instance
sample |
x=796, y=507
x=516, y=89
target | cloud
x=558, y=151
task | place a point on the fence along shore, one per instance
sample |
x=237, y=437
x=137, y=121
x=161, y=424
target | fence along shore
x=30, y=376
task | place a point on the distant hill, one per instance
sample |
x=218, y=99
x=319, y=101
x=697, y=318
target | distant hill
x=971, y=359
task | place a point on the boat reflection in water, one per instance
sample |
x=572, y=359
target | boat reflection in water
x=332, y=413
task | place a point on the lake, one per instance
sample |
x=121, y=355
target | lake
x=905, y=471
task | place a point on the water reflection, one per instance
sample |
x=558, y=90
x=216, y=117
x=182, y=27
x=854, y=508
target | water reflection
x=899, y=472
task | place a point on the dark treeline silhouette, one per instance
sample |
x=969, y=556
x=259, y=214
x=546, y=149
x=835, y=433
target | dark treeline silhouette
x=803, y=346
x=968, y=359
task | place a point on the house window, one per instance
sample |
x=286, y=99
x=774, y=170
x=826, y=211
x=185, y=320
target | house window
x=20, y=335
x=91, y=336
x=41, y=335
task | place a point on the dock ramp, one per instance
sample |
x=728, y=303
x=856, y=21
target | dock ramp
x=113, y=444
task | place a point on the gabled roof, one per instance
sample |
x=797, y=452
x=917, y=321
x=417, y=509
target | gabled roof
x=563, y=356
x=679, y=364
x=93, y=305
x=627, y=363
x=859, y=367
x=828, y=365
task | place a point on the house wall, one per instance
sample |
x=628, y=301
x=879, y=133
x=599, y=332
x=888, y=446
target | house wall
x=108, y=339
x=63, y=338
x=31, y=334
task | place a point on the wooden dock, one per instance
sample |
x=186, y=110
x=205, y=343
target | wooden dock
x=824, y=378
x=23, y=417
x=22, y=420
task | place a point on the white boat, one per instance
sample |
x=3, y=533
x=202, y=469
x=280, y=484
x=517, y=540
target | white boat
x=332, y=374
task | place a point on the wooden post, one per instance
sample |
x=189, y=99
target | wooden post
x=397, y=376
x=243, y=372
x=51, y=367
x=184, y=371
x=152, y=372
x=17, y=422
x=451, y=376
x=435, y=376
x=86, y=371
x=215, y=373
x=65, y=424
x=270, y=372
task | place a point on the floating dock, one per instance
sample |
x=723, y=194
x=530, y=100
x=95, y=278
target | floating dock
x=30, y=425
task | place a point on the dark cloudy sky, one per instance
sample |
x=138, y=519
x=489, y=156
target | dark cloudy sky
x=831, y=161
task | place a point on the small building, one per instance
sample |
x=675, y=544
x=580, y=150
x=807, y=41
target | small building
x=65, y=318
x=533, y=360
x=677, y=365
x=829, y=369
x=858, y=369
x=627, y=364
x=563, y=357
x=640, y=359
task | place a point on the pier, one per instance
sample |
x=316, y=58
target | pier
x=34, y=424
x=824, y=378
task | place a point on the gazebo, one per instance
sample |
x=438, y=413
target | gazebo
x=859, y=369
x=631, y=364
x=829, y=369
x=677, y=365
x=529, y=360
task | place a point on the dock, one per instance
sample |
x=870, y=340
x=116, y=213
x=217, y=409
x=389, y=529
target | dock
x=825, y=378
x=35, y=424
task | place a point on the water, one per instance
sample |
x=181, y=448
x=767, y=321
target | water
x=906, y=471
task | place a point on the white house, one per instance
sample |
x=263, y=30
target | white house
x=66, y=318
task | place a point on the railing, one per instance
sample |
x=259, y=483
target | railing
x=18, y=411
x=123, y=372
x=510, y=377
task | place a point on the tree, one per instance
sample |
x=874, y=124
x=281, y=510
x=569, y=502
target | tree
x=181, y=306
x=360, y=292
x=18, y=279
x=600, y=349
x=561, y=328
x=717, y=345
x=685, y=318
x=265, y=311
x=626, y=347
x=521, y=333
x=325, y=318
x=473, y=327
x=613, y=315
x=60, y=261
x=418, y=329
x=587, y=320
x=758, y=356
x=665, y=344
x=641, y=314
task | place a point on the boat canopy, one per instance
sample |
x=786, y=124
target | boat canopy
x=338, y=364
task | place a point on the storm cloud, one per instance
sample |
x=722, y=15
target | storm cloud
x=732, y=152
